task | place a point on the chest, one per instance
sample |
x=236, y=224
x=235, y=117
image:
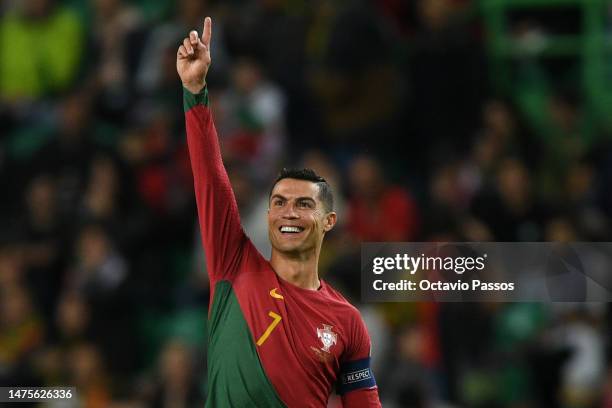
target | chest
x=304, y=333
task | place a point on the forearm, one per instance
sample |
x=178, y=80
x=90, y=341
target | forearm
x=217, y=208
x=203, y=143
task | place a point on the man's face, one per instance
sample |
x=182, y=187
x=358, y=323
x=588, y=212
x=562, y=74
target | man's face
x=297, y=219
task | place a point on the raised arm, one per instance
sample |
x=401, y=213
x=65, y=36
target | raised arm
x=222, y=234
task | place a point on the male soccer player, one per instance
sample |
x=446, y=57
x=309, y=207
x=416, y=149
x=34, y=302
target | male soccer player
x=278, y=335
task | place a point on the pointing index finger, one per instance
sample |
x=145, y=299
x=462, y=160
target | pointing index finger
x=207, y=32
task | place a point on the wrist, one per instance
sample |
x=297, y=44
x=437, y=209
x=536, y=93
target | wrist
x=192, y=99
x=195, y=88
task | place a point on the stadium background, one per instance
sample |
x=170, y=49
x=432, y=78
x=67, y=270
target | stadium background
x=433, y=119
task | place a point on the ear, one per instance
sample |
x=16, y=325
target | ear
x=330, y=221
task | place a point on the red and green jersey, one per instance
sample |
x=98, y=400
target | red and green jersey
x=271, y=344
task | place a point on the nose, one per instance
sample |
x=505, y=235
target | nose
x=289, y=213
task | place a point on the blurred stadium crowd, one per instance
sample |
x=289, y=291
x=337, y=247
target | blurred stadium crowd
x=102, y=280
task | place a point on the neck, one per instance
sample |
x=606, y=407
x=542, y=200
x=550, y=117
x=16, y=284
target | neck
x=300, y=269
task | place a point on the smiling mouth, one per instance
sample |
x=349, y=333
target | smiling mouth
x=285, y=229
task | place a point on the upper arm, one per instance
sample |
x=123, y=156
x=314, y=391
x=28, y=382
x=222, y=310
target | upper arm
x=356, y=382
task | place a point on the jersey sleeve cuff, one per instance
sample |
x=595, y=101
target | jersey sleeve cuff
x=190, y=100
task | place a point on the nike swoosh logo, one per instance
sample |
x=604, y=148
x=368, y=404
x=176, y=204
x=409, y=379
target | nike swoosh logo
x=276, y=295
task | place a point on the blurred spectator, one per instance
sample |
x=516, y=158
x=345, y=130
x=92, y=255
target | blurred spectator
x=447, y=197
x=511, y=208
x=108, y=200
x=45, y=242
x=21, y=333
x=175, y=385
x=564, y=134
x=162, y=171
x=12, y=265
x=466, y=338
x=88, y=374
x=607, y=393
x=72, y=328
x=49, y=367
x=582, y=193
x=250, y=120
x=377, y=210
x=583, y=373
x=406, y=384
x=445, y=82
x=561, y=229
x=356, y=93
x=99, y=270
x=275, y=32
x=502, y=134
x=68, y=153
x=100, y=275
x=102, y=192
x=117, y=42
x=398, y=14
x=73, y=319
x=52, y=64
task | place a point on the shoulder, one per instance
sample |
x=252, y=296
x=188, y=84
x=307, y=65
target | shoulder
x=342, y=306
x=357, y=337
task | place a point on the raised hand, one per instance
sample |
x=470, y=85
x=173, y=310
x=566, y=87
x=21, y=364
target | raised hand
x=193, y=58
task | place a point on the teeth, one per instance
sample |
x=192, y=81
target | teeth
x=291, y=229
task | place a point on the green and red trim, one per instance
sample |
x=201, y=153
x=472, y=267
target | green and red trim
x=190, y=100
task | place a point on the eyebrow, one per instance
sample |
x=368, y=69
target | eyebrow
x=297, y=199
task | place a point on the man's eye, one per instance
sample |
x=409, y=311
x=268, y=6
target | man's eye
x=278, y=203
x=305, y=204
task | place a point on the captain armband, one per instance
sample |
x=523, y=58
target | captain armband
x=355, y=375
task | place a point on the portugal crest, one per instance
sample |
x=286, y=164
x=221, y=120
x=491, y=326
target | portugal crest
x=328, y=338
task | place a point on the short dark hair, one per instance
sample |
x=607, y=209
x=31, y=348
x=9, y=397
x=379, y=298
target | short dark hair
x=325, y=192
